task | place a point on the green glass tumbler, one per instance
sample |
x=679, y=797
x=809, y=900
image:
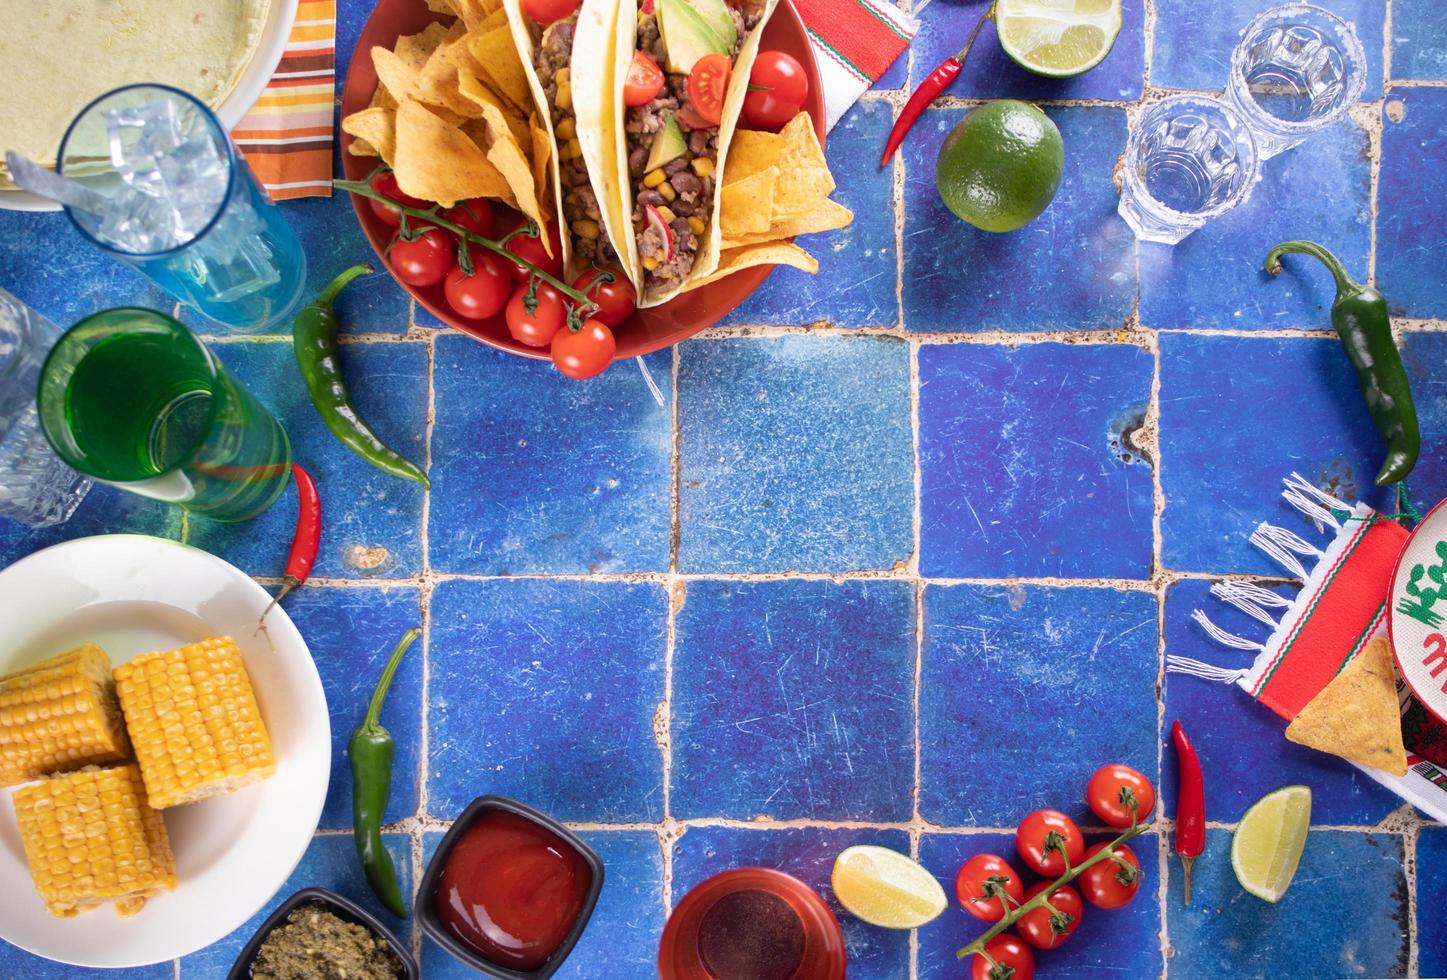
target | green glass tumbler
x=131, y=397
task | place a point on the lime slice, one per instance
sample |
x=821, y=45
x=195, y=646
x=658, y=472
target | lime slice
x=1059, y=38
x=1269, y=840
x=885, y=888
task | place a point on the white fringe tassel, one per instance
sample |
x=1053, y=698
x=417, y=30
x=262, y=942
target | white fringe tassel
x=1251, y=599
x=1283, y=547
x=1205, y=671
x=1312, y=501
x=1222, y=637
x=648, y=380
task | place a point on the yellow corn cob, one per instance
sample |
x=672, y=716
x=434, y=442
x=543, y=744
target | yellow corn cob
x=654, y=178
x=90, y=837
x=193, y=722
x=702, y=166
x=59, y=714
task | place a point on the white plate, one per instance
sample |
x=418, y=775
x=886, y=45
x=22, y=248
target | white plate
x=132, y=594
x=274, y=34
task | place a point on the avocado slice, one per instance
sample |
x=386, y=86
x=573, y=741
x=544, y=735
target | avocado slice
x=668, y=145
x=715, y=16
x=686, y=37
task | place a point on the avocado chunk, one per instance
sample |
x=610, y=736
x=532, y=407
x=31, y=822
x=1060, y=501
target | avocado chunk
x=668, y=145
x=715, y=16
x=686, y=36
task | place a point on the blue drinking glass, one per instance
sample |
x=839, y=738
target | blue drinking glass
x=182, y=207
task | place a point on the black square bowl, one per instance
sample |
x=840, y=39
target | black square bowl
x=433, y=926
x=343, y=908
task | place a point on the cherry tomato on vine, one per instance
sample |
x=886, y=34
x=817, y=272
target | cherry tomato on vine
x=485, y=292
x=547, y=11
x=475, y=215
x=1107, y=884
x=586, y=352
x=424, y=261
x=643, y=81
x=979, y=881
x=615, y=297
x=708, y=83
x=1110, y=791
x=538, y=326
x=529, y=248
x=1013, y=960
x=1040, y=838
x=1045, y=929
x=777, y=90
x=386, y=183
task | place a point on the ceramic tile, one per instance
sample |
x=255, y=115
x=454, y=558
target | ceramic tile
x=1419, y=41
x=105, y=510
x=1431, y=892
x=1409, y=202
x=794, y=454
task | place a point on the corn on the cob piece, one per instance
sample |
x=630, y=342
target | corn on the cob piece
x=193, y=722
x=90, y=837
x=59, y=714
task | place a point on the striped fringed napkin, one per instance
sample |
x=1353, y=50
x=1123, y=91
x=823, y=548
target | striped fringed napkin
x=287, y=135
x=854, y=42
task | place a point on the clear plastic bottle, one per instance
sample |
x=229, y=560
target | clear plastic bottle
x=36, y=488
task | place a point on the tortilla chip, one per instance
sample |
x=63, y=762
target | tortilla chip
x=395, y=74
x=376, y=130
x=498, y=58
x=382, y=99
x=773, y=253
x=747, y=206
x=493, y=107
x=474, y=12
x=751, y=152
x=442, y=7
x=438, y=83
x=438, y=162
x=828, y=216
x=508, y=158
x=542, y=146
x=1356, y=715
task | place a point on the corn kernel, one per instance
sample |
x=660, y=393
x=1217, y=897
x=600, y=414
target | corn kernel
x=567, y=128
x=667, y=215
x=584, y=228
x=696, y=223
x=702, y=166
x=667, y=191
x=563, y=97
x=654, y=178
x=575, y=149
x=650, y=263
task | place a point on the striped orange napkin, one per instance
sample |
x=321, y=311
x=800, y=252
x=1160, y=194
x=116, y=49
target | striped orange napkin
x=287, y=135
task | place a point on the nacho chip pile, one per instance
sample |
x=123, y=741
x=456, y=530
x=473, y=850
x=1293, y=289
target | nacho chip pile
x=778, y=186
x=453, y=116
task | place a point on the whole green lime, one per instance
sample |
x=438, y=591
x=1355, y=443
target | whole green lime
x=1000, y=167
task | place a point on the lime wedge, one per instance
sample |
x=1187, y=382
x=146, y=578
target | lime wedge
x=886, y=888
x=1059, y=38
x=1269, y=840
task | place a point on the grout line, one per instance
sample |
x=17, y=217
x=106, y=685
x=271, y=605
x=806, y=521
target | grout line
x=676, y=594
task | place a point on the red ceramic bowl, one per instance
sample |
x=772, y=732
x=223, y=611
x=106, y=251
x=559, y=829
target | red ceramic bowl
x=646, y=330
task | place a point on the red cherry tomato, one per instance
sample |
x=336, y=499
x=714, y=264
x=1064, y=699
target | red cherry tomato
x=485, y=292
x=475, y=215
x=1009, y=954
x=584, y=353
x=1111, y=790
x=643, y=81
x=708, y=83
x=1040, y=838
x=1109, y=884
x=386, y=183
x=547, y=11
x=777, y=90
x=538, y=326
x=615, y=296
x=1044, y=929
x=529, y=248
x=979, y=883
x=423, y=262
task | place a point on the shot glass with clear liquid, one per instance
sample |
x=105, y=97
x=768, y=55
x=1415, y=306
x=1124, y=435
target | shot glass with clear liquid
x=1297, y=69
x=1189, y=159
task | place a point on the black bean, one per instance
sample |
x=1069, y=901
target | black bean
x=698, y=142
x=685, y=182
x=651, y=196
x=675, y=165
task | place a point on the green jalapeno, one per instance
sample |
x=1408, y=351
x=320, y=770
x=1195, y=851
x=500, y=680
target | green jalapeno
x=315, y=339
x=1359, y=314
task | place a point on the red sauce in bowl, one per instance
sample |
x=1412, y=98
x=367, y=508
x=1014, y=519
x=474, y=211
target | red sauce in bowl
x=511, y=890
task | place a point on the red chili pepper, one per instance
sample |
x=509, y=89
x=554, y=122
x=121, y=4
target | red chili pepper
x=1190, y=804
x=935, y=83
x=305, y=540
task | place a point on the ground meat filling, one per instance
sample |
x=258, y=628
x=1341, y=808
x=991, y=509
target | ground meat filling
x=580, y=204
x=684, y=195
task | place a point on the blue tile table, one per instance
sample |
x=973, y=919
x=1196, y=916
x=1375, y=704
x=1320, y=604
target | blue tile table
x=902, y=553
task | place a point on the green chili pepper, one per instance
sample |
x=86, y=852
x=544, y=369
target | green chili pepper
x=370, y=750
x=315, y=340
x=1359, y=314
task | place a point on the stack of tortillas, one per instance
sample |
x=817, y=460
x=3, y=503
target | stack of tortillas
x=1356, y=716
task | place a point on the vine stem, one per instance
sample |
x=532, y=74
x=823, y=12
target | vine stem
x=431, y=217
x=1042, y=900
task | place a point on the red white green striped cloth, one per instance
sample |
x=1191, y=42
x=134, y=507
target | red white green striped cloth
x=854, y=42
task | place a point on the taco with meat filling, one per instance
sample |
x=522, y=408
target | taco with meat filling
x=680, y=72
x=568, y=66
